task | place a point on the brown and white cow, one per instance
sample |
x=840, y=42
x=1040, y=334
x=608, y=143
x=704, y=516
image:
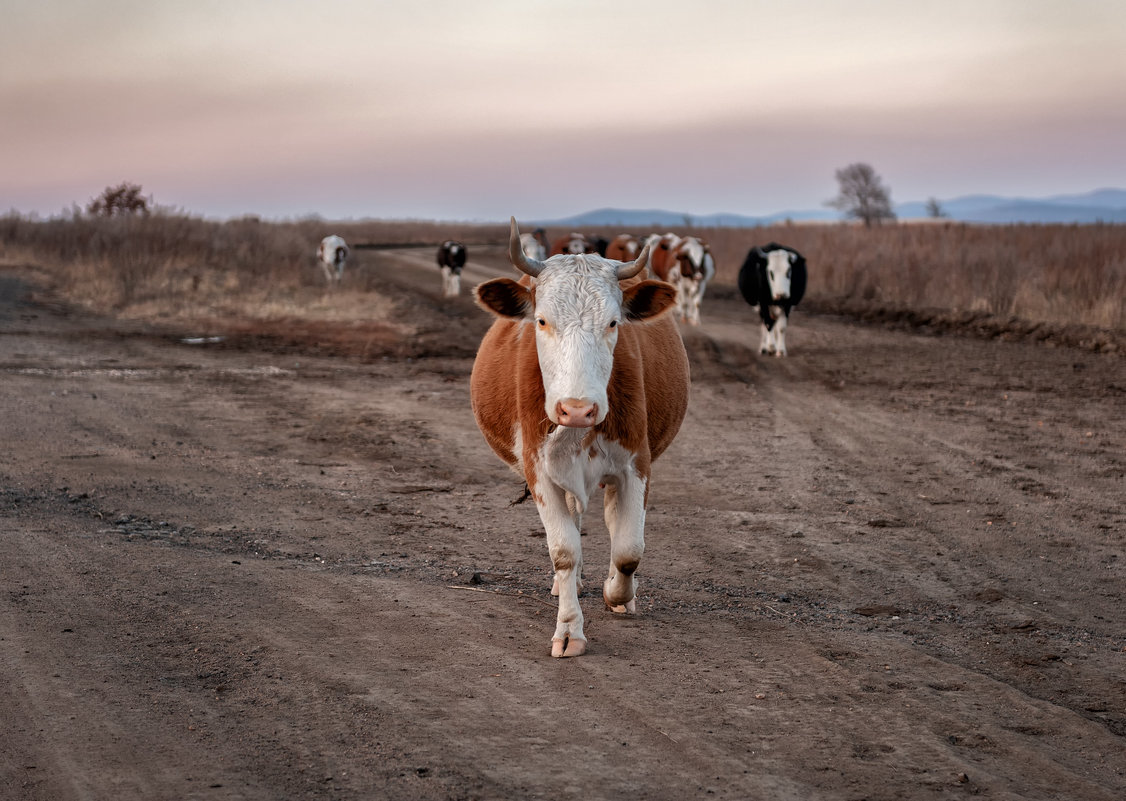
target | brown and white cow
x=686, y=263
x=694, y=266
x=573, y=243
x=661, y=247
x=581, y=383
x=623, y=247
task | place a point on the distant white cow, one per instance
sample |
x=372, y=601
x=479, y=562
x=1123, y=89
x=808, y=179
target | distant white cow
x=534, y=244
x=331, y=254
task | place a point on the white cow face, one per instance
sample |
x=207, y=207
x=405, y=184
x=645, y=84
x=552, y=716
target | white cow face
x=577, y=316
x=577, y=307
x=779, y=264
x=691, y=256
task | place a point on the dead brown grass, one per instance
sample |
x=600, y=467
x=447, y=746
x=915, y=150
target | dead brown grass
x=182, y=267
x=172, y=264
x=1039, y=273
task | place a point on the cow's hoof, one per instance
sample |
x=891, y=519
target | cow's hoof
x=628, y=608
x=568, y=646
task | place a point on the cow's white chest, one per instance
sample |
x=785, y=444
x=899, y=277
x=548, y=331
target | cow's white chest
x=578, y=465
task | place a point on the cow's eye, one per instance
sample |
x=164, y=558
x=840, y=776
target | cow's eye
x=542, y=322
x=613, y=323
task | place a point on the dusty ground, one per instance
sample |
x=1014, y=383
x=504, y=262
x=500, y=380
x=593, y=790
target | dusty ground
x=284, y=566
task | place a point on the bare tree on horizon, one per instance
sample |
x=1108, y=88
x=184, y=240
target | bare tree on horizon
x=935, y=210
x=862, y=195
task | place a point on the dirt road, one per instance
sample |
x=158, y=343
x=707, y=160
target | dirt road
x=283, y=565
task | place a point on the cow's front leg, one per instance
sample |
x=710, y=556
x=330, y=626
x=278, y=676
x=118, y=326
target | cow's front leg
x=565, y=548
x=693, y=295
x=780, y=336
x=576, y=511
x=624, y=503
x=767, y=344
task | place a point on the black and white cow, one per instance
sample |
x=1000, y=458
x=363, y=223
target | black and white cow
x=773, y=279
x=331, y=255
x=451, y=258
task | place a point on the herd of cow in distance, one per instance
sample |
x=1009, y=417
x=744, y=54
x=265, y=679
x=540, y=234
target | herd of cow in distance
x=582, y=380
x=772, y=278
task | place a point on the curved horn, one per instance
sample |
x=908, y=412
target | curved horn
x=520, y=260
x=631, y=268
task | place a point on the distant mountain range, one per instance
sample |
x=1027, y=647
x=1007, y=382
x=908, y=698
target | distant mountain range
x=1102, y=205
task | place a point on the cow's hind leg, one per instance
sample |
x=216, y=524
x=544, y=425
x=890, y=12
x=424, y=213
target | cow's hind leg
x=565, y=548
x=624, y=504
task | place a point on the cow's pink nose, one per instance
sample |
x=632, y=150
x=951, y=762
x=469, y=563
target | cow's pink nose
x=576, y=413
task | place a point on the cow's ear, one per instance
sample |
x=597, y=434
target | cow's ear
x=504, y=298
x=648, y=299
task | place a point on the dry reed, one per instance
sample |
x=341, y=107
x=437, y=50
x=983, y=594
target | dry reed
x=1037, y=273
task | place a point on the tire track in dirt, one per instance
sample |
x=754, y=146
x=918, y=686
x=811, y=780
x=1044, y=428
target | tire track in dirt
x=827, y=446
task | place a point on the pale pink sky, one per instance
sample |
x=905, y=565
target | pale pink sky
x=461, y=110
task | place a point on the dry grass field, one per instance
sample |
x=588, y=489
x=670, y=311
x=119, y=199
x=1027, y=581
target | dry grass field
x=993, y=278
